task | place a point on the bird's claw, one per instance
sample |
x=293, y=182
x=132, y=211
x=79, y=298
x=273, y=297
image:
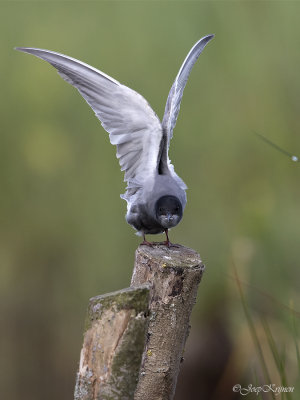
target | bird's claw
x=169, y=244
x=146, y=243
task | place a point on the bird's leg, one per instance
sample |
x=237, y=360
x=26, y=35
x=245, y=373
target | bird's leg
x=145, y=242
x=167, y=242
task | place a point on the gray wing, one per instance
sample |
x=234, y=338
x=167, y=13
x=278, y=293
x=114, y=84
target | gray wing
x=176, y=92
x=173, y=104
x=130, y=121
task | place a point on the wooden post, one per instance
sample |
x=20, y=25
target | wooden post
x=173, y=275
x=134, y=339
x=113, y=344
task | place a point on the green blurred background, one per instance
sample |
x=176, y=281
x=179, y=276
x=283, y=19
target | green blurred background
x=63, y=236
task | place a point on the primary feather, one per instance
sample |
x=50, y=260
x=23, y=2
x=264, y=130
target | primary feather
x=174, y=99
x=131, y=123
x=176, y=92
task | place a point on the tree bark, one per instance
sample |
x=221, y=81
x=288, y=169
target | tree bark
x=173, y=275
x=113, y=344
x=134, y=338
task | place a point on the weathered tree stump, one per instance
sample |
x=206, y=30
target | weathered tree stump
x=113, y=345
x=173, y=275
x=134, y=339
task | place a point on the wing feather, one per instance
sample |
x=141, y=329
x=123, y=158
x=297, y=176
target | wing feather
x=130, y=121
x=173, y=104
x=176, y=92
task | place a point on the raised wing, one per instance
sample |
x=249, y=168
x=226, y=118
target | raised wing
x=130, y=121
x=173, y=106
x=176, y=92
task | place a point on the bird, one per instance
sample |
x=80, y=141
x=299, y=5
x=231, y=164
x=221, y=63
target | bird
x=155, y=194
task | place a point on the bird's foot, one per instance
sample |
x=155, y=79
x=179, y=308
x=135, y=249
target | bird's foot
x=169, y=244
x=146, y=243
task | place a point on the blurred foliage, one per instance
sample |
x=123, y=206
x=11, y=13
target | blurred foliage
x=63, y=237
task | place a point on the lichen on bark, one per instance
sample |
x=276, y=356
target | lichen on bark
x=113, y=345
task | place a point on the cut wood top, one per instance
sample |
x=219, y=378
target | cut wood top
x=175, y=257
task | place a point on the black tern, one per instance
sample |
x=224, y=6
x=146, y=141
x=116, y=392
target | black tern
x=155, y=194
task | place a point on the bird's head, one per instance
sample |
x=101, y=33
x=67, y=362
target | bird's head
x=168, y=210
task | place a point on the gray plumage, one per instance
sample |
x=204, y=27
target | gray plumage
x=142, y=140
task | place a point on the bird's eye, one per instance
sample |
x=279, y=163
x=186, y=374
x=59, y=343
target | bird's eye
x=160, y=209
x=177, y=209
